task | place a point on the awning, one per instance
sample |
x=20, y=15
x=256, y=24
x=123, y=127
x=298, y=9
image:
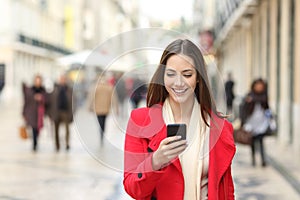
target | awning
x=86, y=58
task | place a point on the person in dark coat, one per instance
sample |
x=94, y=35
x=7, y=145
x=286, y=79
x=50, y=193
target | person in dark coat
x=1, y=85
x=229, y=92
x=60, y=109
x=139, y=91
x=34, y=107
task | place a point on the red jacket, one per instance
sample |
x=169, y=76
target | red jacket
x=145, y=130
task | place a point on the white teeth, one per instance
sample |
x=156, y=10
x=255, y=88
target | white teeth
x=179, y=91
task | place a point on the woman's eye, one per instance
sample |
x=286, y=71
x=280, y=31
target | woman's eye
x=171, y=74
x=187, y=75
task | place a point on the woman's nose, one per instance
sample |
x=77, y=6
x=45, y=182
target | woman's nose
x=179, y=80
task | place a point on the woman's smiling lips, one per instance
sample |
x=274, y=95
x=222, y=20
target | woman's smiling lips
x=179, y=91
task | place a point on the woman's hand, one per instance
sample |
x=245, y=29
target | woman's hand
x=168, y=149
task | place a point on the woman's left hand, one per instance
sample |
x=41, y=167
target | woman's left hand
x=168, y=150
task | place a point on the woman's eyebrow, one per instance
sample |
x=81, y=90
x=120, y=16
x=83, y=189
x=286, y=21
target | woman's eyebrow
x=188, y=70
x=183, y=71
x=172, y=70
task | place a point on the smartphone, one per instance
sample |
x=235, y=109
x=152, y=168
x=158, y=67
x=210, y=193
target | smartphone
x=176, y=129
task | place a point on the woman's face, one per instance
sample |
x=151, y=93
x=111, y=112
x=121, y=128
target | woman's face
x=180, y=78
x=259, y=87
x=37, y=81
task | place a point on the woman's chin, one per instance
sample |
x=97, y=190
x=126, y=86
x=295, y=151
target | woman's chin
x=180, y=99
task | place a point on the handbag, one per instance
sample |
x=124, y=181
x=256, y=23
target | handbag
x=243, y=137
x=23, y=132
x=272, y=128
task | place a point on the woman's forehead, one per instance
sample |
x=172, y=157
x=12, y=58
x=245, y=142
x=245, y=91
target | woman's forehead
x=179, y=62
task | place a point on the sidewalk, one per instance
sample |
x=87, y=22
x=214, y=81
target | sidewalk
x=87, y=172
x=285, y=160
x=46, y=174
x=259, y=183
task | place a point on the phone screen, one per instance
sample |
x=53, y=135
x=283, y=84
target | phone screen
x=176, y=129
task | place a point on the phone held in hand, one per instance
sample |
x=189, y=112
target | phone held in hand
x=176, y=129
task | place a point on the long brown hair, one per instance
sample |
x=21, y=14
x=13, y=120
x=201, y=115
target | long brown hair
x=157, y=92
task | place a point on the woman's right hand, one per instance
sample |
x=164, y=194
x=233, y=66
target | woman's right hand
x=168, y=150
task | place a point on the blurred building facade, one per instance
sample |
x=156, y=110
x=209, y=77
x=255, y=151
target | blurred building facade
x=33, y=33
x=203, y=15
x=260, y=38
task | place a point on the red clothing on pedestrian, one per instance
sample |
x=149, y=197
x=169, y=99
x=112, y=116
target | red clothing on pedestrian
x=146, y=129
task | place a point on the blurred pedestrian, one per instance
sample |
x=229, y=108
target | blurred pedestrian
x=34, y=107
x=161, y=167
x=60, y=110
x=1, y=85
x=229, y=93
x=254, y=118
x=101, y=99
x=139, y=91
x=121, y=90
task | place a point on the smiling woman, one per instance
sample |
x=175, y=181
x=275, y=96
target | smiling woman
x=161, y=167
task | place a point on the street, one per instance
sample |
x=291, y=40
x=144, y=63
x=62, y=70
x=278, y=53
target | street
x=89, y=171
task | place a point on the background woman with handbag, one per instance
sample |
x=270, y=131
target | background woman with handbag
x=163, y=168
x=34, y=107
x=254, y=118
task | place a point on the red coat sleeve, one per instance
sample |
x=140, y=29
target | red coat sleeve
x=139, y=178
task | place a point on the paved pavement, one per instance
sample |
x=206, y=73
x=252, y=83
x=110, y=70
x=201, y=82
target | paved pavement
x=286, y=161
x=92, y=171
x=46, y=174
x=259, y=183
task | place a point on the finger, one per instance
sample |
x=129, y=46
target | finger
x=176, y=143
x=175, y=151
x=170, y=139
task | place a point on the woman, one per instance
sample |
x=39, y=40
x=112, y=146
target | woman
x=160, y=167
x=34, y=107
x=254, y=118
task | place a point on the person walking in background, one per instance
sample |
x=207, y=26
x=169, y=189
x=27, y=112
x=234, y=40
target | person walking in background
x=229, y=93
x=161, y=167
x=34, y=107
x=139, y=90
x=1, y=85
x=253, y=116
x=121, y=90
x=60, y=109
x=101, y=99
